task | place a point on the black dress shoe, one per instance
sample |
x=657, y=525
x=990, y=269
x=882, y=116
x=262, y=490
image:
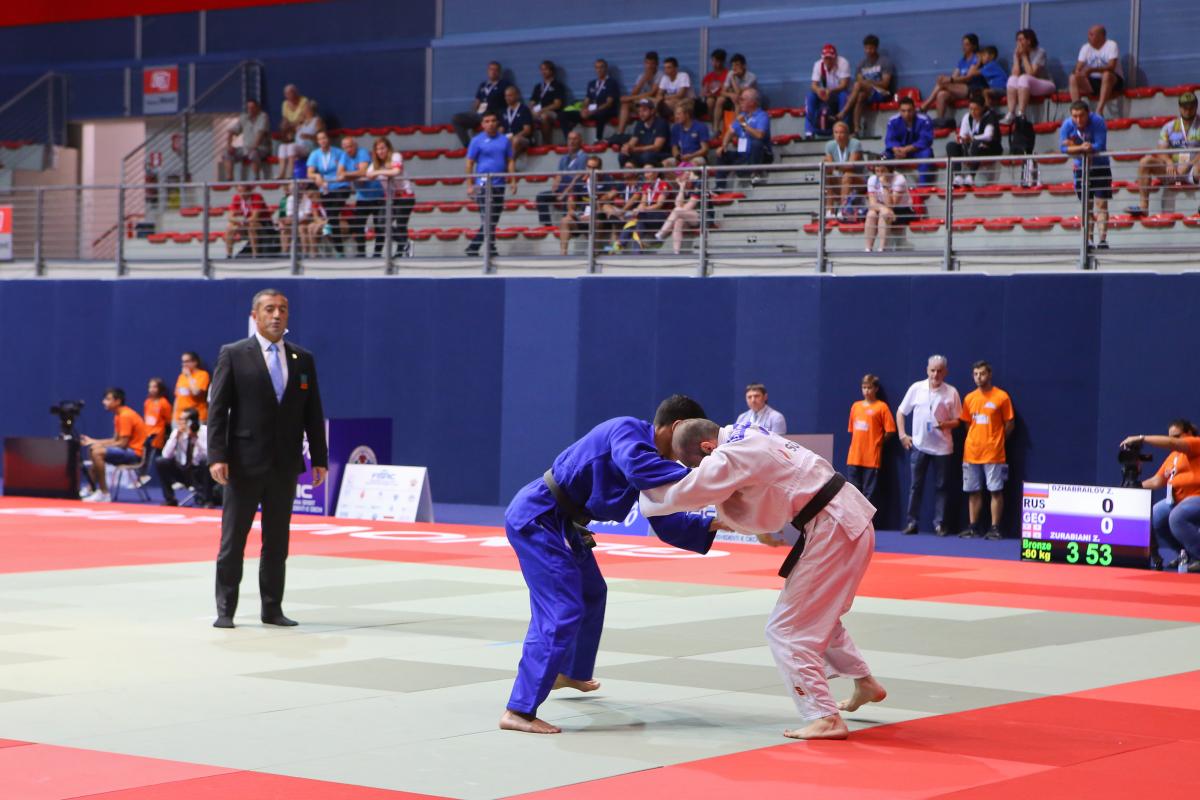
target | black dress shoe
x=968, y=533
x=910, y=529
x=280, y=620
x=993, y=534
x=223, y=622
x=940, y=530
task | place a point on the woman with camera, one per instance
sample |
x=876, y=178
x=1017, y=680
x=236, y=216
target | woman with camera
x=1175, y=520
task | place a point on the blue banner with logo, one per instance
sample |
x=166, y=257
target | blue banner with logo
x=351, y=441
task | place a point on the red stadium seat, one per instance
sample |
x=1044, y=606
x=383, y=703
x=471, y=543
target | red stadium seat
x=458, y=152
x=422, y=234
x=430, y=128
x=1120, y=123
x=776, y=113
x=1026, y=191
x=1120, y=222
x=158, y=238
x=536, y=178
x=1194, y=220
x=538, y=150
x=191, y=211
x=1159, y=221
x=1152, y=123
x=451, y=206
x=1054, y=160
x=425, y=181
x=812, y=227
x=1040, y=223
x=1065, y=189
x=449, y=234
x=994, y=190
x=967, y=224
x=406, y=130
x=509, y=233
x=1175, y=91
x=429, y=154
x=1046, y=127
x=424, y=208
x=932, y=225
x=538, y=233
x=1062, y=97
x=725, y=198
x=1002, y=223
x=1142, y=92
x=379, y=131
x=454, y=181
x=1070, y=223
x=850, y=228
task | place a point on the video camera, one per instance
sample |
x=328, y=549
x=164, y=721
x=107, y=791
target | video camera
x=68, y=411
x=1131, y=458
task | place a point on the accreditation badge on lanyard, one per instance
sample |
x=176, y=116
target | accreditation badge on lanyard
x=510, y=115
x=488, y=88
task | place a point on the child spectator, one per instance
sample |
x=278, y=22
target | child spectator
x=994, y=74
x=871, y=424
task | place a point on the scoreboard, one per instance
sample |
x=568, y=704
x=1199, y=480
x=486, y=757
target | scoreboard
x=1101, y=526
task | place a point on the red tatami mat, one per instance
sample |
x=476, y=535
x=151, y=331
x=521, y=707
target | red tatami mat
x=41, y=535
x=257, y=786
x=45, y=772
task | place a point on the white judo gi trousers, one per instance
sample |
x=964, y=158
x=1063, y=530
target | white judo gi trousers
x=805, y=631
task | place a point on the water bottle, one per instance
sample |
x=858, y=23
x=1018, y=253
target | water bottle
x=1183, y=561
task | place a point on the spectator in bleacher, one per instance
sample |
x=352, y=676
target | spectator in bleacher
x=156, y=411
x=387, y=164
x=323, y=166
x=548, y=97
x=844, y=177
x=748, y=140
x=978, y=135
x=871, y=424
x=303, y=142
x=827, y=93
x=292, y=111
x=184, y=460
x=994, y=75
x=126, y=446
x=488, y=97
x=621, y=205
x=255, y=130
x=647, y=146
x=516, y=121
x=1029, y=77
x=302, y=219
x=650, y=212
x=313, y=234
x=191, y=387
x=935, y=408
x=1098, y=69
x=489, y=153
x=959, y=83
x=674, y=89
x=738, y=80
x=643, y=89
x=689, y=138
x=686, y=211
x=1084, y=135
x=1175, y=520
x=248, y=215
x=988, y=414
x=711, y=86
x=599, y=104
x=759, y=413
x=1172, y=170
x=579, y=207
x=368, y=197
x=872, y=84
x=909, y=134
x=552, y=203
x=889, y=202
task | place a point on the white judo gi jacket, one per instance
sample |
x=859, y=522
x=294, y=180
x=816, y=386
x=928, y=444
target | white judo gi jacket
x=759, y=482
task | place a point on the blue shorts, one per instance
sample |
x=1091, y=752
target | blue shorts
x=120, y=455
x=976, y=476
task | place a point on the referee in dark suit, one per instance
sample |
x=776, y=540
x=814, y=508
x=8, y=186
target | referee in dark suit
x=264, y=397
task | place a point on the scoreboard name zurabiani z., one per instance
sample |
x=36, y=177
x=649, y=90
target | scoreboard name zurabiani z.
x=1099, y=526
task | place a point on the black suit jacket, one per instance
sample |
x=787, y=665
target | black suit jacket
x=252, y=432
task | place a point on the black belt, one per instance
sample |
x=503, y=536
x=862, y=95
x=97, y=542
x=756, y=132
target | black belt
x=579, y=518
x=810, y=510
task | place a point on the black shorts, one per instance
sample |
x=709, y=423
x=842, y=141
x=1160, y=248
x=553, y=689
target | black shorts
x=1099, y=182
x=1095, y=82
x=334, y=201
x=904, y=213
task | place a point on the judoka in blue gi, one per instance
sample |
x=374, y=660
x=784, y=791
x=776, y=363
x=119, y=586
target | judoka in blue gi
x=596, y=478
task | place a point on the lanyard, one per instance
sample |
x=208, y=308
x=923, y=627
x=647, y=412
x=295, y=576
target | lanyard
x=510, y=114
x=841, y=154
x=545, y=90
x=325, y=158
x=600, y=86
x=488, y=88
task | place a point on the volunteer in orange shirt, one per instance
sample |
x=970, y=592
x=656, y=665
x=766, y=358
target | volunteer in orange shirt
x=988, y=414
x=156, y=411
x=1175, y=520
x=191, y=387
x=126, y=446
x=871, y=423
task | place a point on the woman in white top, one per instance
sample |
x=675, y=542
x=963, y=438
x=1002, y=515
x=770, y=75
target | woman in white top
x=685, y=214
x=1029, y=78
x=888, y=202
x=387, y=162
x=303, y=143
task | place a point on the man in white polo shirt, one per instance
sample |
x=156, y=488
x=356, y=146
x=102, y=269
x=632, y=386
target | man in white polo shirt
x=935, y=408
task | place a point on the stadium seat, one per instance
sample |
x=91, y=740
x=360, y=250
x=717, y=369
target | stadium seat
x=1142, y=92
x=1152, y=123
x=1001, y=224
x=1175, y=91
x=967, y=224
x=1160, y=221
x=422, y=234
x=451, y=206
x=931, y=225
x=1120, y=123
x=1040, y=223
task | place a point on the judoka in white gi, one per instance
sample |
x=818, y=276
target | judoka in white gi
x=759, y=482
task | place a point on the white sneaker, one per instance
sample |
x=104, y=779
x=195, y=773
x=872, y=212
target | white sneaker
x=662, y=237
x=98, y=497
x=85, y=492
x=1007, y=119
x=866, y=250
x=958, y=180
x=143, y=480
x=968, y=180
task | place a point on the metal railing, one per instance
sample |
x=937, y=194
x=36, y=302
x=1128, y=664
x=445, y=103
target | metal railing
x=37, y=115
x=765, y=218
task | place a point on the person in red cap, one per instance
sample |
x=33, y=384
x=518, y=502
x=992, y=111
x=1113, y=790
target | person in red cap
x=830, y=80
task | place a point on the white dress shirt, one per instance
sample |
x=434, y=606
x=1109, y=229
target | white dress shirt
x=263, y=344
x=176, y=447
x=759, y=482
x=769, y=418
x=928, y=407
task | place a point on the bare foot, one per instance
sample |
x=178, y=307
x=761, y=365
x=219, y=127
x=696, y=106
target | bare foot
x=526, y=723
x=831, y=727
x=563, y=682
x=866, y=690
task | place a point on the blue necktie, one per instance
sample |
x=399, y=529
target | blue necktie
x=276, y=369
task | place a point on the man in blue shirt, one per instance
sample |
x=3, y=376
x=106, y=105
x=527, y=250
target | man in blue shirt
x=368, y=197
x=323, y=167
x=596, y=478
x=748, y=139
x=600, y=103
x=489, y=152
x=1085, y=136
x=910, y=135
x=550, y=204
x=488, y=97
x=689, y=138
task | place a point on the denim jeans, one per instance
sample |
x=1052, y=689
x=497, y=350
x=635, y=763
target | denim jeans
x=864, y=479
x=1177, y=526
x=920, y=462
